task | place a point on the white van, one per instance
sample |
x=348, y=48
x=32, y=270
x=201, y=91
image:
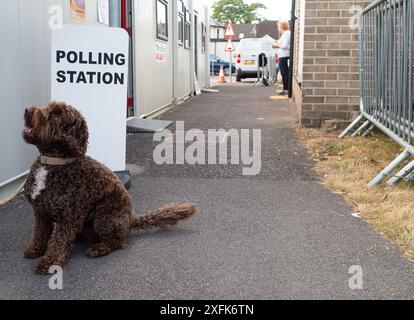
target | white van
x=249, y=51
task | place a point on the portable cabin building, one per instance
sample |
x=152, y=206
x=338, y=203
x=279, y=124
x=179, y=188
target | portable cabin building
x=169, y=51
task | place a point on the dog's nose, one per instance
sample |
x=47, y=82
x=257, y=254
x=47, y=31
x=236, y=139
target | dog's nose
x=25, y=111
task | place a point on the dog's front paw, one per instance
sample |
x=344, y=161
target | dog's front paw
x=33, y=252
x=43, y=267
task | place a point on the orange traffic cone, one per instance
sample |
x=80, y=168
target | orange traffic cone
x=221, y=78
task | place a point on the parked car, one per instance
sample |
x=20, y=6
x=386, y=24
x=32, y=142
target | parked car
x=249, y=52
x=216, y=63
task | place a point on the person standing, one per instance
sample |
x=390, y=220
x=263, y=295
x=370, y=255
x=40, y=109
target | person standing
x=283, y=46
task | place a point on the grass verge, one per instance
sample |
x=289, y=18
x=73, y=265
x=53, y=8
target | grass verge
x=347, y=165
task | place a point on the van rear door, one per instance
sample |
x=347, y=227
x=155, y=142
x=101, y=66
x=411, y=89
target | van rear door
x=249, y=52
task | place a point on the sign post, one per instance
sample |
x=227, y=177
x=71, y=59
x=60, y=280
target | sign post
x=90, y=72
x=231, y=67
x=229, y=34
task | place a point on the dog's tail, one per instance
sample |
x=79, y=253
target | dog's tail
x=164, y=217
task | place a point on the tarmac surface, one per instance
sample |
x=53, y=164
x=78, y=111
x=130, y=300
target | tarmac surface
x=277, y=235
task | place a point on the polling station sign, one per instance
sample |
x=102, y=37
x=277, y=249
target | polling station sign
x=90, y=72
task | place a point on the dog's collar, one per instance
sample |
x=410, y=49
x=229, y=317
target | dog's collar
x=56, y=161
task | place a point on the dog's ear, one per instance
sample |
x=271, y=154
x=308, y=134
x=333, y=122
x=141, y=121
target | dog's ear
x=80, y=132
x=70, y=144
x=70, y=131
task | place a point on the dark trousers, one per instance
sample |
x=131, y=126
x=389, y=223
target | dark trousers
x=284, y=70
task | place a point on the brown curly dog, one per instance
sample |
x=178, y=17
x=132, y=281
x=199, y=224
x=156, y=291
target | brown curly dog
x=74, y=195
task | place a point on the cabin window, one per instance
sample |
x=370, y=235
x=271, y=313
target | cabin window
x=181, y=7
x=180, y=30
x=187, y=29
x=162, y=19
x=203, y=38
x=180, y=23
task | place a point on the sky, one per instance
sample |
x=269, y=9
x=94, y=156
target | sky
x=276, y=9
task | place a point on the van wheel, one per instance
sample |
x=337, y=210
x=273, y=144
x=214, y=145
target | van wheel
x=238, y=79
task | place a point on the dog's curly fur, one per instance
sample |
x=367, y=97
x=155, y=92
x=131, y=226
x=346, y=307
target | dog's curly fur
x=82, y=199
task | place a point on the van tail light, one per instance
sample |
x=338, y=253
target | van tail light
x=238, y=58
x=239, y=61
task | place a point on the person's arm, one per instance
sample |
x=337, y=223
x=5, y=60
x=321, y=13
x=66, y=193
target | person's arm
x=284, y=42
x=275, y=45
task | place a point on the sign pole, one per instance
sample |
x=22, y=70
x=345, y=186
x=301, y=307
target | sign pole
x=231, y=67
x=229, y=34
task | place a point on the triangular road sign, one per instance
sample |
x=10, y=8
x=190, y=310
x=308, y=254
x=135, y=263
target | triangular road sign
x=229, y=46
x=229, y=30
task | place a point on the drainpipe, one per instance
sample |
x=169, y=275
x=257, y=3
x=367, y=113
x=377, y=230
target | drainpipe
x=207, y=46
x=192, y=49
x=126, y=23
x=175, y=50
x=292, y=46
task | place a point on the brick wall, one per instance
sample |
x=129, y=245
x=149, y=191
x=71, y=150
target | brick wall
x=328, y=85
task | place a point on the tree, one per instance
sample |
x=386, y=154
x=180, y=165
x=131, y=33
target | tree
x=237, y=11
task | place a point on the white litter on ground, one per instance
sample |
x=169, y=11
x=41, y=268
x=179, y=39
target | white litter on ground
x=356, y=215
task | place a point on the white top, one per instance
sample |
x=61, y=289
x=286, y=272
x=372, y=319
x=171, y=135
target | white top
x=284, y=45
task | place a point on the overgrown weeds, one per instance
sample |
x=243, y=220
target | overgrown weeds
x=347, y=165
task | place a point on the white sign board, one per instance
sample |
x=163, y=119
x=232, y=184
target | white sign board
x=90, y=72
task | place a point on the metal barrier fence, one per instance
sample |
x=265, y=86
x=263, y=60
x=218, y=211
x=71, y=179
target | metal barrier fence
x=272, y=69
x=386, y=79
x=266, y=72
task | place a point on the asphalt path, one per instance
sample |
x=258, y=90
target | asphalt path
x=276, y=235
